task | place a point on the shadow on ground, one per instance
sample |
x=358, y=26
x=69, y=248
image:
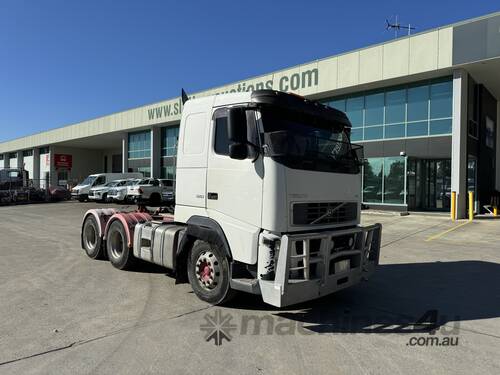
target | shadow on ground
x=400, y=298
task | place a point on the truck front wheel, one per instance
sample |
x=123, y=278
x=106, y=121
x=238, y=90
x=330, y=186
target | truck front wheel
x=208, y=273
x=119, y=254
x=92, y=241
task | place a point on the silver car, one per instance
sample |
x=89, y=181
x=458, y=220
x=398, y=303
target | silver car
x=100, y=193
x=119, y=193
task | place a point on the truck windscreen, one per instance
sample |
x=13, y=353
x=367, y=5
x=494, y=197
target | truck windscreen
x=305, y=142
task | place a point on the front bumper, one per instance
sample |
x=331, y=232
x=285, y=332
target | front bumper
x=117, y=197
x=93, y=196
x=307, y=265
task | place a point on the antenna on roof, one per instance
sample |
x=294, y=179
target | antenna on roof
x=184, y=96
x=397, y=26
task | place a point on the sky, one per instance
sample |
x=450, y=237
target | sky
x=66, y=61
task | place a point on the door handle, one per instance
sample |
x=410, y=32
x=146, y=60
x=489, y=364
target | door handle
x=213, y=196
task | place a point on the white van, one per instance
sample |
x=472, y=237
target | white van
x=81, y=191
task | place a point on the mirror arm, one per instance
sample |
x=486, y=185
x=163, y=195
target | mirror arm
x=258, y=150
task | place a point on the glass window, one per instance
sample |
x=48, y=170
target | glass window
x=395, y=131
x=374, y=109
x=415, y=129
x=372, y=180
x=354, y=111
x=395, y=106
x=356, y=134
x=168, y=172
x=394, y=170
x=405, y=111
x=101, y=180
x=338, y=104
x=440, y=127
x=221, y=136
x=169, y=138
x=146, y=171
x=418, y=103
x=374, y=132
x=139, y=145
x=441, y=99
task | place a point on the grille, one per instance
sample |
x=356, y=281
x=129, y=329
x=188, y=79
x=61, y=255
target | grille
x=321, y=213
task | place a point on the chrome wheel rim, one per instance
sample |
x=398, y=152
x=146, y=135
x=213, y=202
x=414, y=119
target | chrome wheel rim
x=208, y=270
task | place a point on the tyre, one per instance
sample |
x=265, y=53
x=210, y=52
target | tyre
x=119, y=254
x=208, y=273
x=155, y=200
x=81, y=199
x=92, y=242
x=104, y=198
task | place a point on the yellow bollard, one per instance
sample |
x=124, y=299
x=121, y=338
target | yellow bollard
x=495, y=211
x=471, y=205
x=453, y=205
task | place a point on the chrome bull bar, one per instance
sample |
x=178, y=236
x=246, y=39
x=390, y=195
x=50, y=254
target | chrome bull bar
x=312, y=265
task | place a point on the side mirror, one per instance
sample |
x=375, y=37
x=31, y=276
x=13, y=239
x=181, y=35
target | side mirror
x=238, y=151
x=237, y=133
x=237, y=125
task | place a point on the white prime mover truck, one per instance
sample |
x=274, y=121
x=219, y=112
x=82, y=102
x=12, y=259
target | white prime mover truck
x=268, y=197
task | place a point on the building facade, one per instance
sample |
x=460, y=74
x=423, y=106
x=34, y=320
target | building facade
x=425, y=107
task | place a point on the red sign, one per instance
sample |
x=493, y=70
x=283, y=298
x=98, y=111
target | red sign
x=63, y=161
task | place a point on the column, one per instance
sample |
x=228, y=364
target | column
x=6, y=160
x=52, y=168
x=125, y=153
x=155, y=152
x=20, y=159
x=36, y=167
x=497, y=150
x=459, y=141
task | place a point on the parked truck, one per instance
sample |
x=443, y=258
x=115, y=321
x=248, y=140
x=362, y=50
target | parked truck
x=16, y=187
x=268, y=194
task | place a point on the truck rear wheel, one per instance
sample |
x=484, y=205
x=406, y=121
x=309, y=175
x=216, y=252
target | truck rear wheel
x=92, y=241
x=119, y=254
x=208, y=273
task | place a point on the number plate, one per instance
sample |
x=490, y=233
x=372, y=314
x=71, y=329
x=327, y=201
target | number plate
x=342, y=266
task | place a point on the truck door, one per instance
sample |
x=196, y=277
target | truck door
x=234, y=188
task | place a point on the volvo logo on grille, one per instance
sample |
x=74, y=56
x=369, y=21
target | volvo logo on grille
x=329, y=213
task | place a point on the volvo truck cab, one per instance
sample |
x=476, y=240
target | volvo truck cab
x=268, y=196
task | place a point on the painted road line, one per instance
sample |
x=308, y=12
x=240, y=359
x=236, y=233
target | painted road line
x=446, y=231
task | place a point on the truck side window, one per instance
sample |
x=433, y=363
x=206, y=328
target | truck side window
x=221, y=136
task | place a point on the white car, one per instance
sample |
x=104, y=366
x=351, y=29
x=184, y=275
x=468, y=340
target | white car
x=100, y=193
x=146, y=190
x=81, y=191
x=119, y=193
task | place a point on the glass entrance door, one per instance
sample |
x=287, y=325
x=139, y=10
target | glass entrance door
x=429, y=184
